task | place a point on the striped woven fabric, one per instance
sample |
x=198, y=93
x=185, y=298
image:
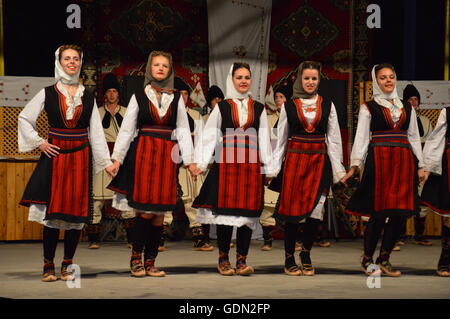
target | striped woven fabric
x=68, y=134
x=395, y=170
x=163, y=130
x=303, y=170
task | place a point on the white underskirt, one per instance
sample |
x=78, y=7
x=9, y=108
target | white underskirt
x=205, y=216
x=120, y=202
x=36, y=213
x=318, y=210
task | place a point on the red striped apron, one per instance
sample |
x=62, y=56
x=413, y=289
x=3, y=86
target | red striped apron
x=394, y=162
x=156, y=167
x=303, y=169
x=70, y=173
x=240, y=180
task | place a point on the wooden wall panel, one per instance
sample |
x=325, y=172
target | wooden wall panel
x=14, y=224
x=3, y=209
x=10, y=204
x=27, y=226
x=17, y=172
x=433, y=225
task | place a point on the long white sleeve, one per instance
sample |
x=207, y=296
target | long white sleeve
x=208, y=139
x=183, y=134
x=100, y=151
x=127, y=131
x=28, y=137
x=198, y=129
x=334, y=145
x=426, y=123
x=414, y=137
x=362, y=137
x=280, y=149
x=265, y=147
x=435, y=145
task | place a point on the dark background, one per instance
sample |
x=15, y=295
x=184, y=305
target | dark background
x=33, y=30
x=411, y=36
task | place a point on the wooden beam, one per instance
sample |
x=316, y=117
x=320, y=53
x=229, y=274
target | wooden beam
x=2, y=52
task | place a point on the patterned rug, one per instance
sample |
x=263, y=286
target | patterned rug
x=127, y=31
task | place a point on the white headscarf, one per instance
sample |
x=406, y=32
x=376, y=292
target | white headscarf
x=231, y=92
x=382, y=98
x=63, y=77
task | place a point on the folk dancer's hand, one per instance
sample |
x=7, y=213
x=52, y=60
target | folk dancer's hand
x=113, y=169
x=49, y=149
x=349, y=174
x=423, y=175
x=267, y=180
x=194, y=170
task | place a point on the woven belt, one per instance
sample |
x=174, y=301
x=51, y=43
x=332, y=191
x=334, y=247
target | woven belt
x=291, y=150
x=73, y=150
x=68, y=134
x=391, y=139
x=308, y=138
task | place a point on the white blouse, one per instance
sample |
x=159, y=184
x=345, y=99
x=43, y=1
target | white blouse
x=363, y=136
x=435, y=145
x=333, y=138
x=199, y=124
x=212, y=135
x=128, y=130
x=29, y=139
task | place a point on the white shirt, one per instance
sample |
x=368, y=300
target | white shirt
x=198, y=124
x=363, y=136
x=333, y=138
x=435, y=145
x=71, y=102
x=29, y=139
x=427, y=127
x=128, y=130
x=212, y=135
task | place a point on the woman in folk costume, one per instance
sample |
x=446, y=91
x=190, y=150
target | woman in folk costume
x=309, y=140
x=232, y=194
x=436, y=191
x=59, y=193
x=282, y=94
x=154, y=124
x=388, y=141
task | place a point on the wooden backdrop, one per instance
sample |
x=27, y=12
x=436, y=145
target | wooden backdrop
x=15, y=171
x=14, y=224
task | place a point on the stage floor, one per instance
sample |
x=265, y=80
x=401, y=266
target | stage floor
x=192, y=274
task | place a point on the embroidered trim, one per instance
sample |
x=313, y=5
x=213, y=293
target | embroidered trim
x=235, y=113
x=154, y=114
x=63, y=109
x=299, y=107
x=388, y=117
